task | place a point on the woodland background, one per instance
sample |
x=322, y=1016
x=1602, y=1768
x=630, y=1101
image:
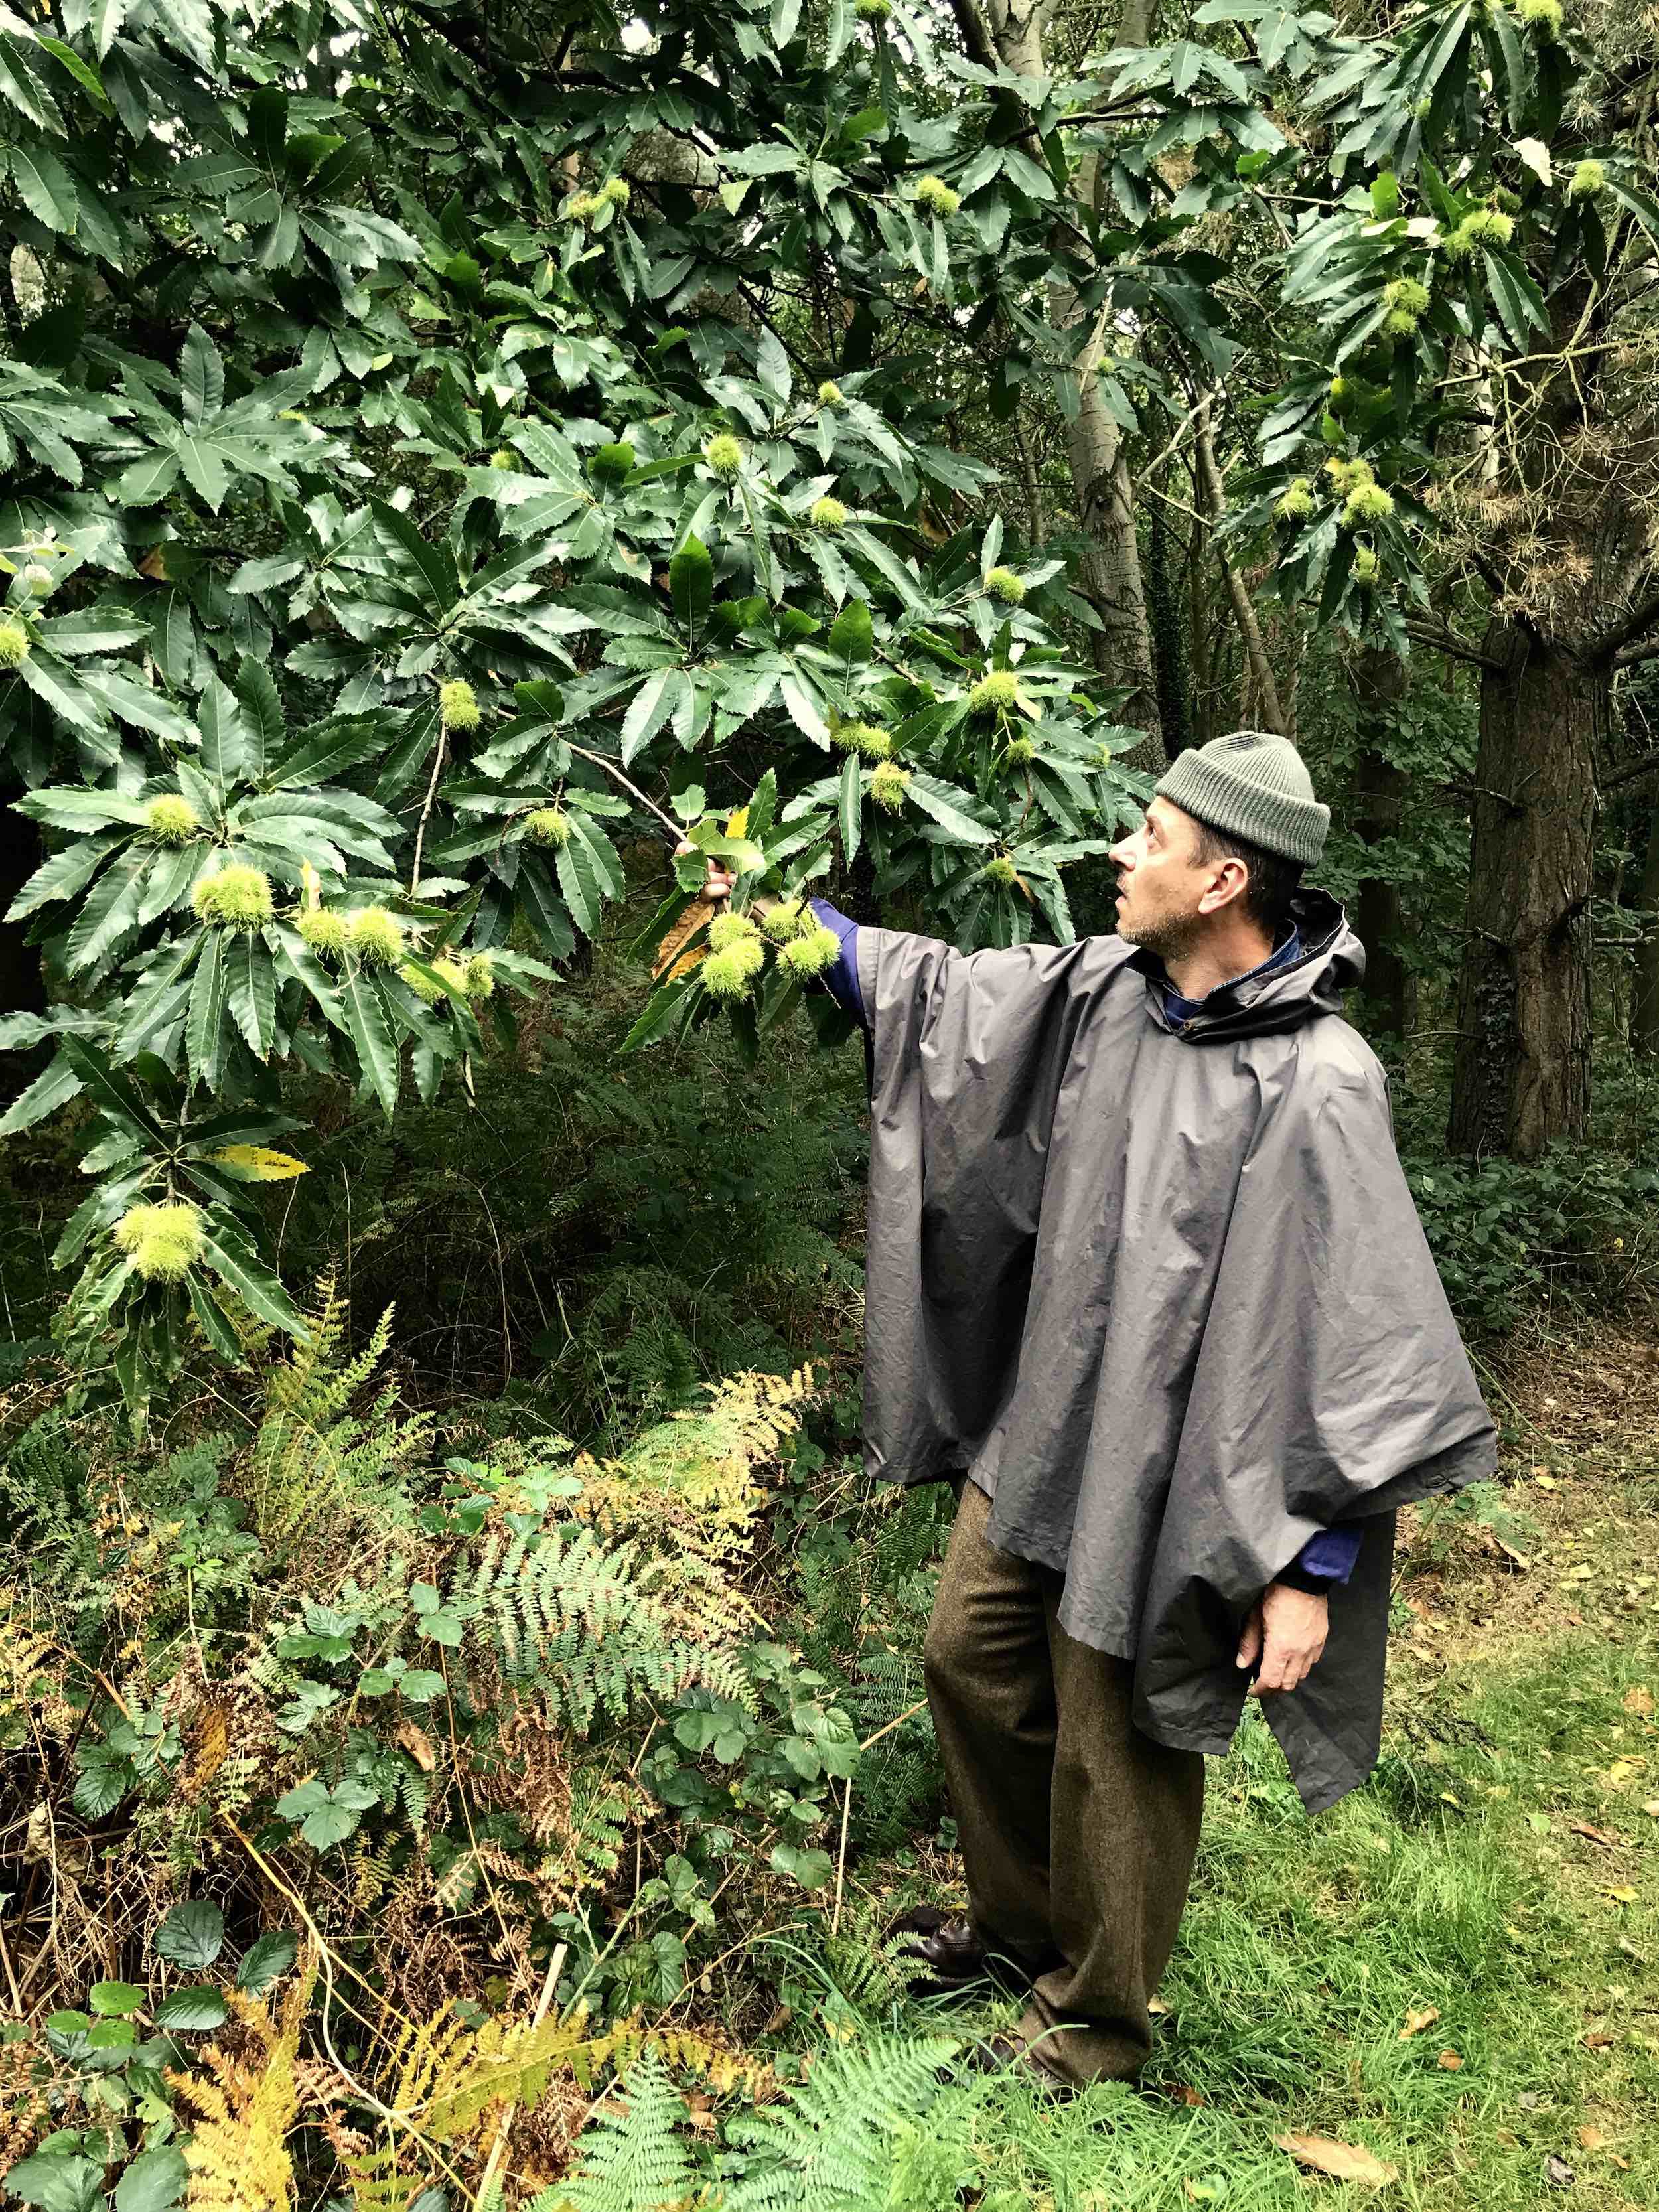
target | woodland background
x=459, y=1729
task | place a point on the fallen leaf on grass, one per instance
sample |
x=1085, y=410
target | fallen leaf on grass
x=1155, y=2004
x=1416, y=2021
x=1184, y=2093
x=1621, y=1771
x=1595, y=1835
x=1344, y=2161
x=1638, y=1700
x=1591, y=2138
x=1651, y=1809
x=1559, y=2173
x=1451, y=2062
x=1624, y=1895
x=1598, y=2039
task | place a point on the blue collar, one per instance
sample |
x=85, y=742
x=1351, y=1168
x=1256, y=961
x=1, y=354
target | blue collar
x=1184, y=1009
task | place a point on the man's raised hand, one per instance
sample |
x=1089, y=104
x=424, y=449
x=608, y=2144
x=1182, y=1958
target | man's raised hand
x=718, y=881
x=1286, y=1629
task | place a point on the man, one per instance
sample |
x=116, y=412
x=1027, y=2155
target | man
x=1145, y=1279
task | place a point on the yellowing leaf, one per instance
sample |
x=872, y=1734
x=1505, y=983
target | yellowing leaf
x=1416, y=2022
x=257, y=1163
x=1344, y=2161
x=737, y=823
x=1450, y=2061
x=1623, y=1896
x=1638, y=1700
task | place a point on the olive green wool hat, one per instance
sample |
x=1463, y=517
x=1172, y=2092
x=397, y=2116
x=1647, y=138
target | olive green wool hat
x=1252, y=785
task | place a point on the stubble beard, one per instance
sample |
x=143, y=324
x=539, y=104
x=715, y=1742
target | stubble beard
x=1167, y=935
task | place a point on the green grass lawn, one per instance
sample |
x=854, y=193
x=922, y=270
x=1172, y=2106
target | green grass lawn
x=1521, y=1703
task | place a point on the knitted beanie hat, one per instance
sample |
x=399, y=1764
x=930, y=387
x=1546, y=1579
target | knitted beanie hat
x=1252, y=785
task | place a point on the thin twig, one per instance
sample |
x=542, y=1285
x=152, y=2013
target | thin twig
x=420, y=831
x=674, y=829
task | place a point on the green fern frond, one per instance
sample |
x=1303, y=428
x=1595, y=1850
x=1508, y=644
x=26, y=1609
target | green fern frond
x=633, y=2157
x=832, y=2147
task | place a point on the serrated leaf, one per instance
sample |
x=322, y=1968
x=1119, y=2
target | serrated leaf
x=691, y=583
x=370, y=1032
x=191, y=1936
x=852, y=633
x=234, y=1260
x=46, y=187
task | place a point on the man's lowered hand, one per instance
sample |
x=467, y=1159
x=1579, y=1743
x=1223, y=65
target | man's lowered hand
x=1286, y=1631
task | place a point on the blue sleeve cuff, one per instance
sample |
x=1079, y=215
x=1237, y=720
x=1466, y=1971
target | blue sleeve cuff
x=842, y=979
x=1326, y=1559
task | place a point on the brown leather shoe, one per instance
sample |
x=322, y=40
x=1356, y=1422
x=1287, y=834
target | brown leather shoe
x=953, y=1952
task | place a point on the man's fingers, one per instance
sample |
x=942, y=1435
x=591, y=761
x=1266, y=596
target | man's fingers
x=1251, y=1641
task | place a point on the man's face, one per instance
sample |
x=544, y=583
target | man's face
x=1162, y=882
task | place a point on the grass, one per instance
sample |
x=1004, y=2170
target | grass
x=1460, y=1882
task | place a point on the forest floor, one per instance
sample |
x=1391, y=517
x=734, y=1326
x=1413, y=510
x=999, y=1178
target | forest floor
x=1453, y=1971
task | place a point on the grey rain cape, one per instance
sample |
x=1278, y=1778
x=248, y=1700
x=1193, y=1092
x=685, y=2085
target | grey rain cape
x=1165, y=1296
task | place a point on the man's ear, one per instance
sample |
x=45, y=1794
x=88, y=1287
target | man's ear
x=1230, y=882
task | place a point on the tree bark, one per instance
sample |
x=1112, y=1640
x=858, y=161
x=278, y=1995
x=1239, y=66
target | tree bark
x=22, y=985
x=1379, y=680
x=1644, y=1001
x=1214, y=502
x=1110, y=575
x=1520, y=1074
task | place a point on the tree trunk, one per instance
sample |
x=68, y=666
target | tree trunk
x=1521, y=1074
x=1164, y=610
x=1644, y=1001
x=1111, y=578
x=1379, y=680
x=23, y=986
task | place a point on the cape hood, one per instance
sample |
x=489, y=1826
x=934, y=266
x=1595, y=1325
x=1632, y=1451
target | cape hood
x=1162, y=1291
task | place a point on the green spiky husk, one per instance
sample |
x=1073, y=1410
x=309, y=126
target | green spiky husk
x=727, y=975
x=373, y=937
x=547, y=825
x=995, y=694
x=172, y=820
x=478, y=976
x=782, y=921
x=235, y=897
x=1004, y=585
x=1367, y=502
x=323, y=930
x=727, y=929
x=937, y=196
x=14, y=648
x=812, y=952
x=724, y=455
x=827, y=513
x=829, y=393
x=163, y=1242
x=457, y=705
x=888, y=784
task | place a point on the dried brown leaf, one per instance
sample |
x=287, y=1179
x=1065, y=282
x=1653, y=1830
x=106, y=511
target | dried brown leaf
x=1343, y=2161
x=670, y=961
x=1417, y=2020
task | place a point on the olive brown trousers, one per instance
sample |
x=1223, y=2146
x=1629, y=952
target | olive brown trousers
x=1078, y=1832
